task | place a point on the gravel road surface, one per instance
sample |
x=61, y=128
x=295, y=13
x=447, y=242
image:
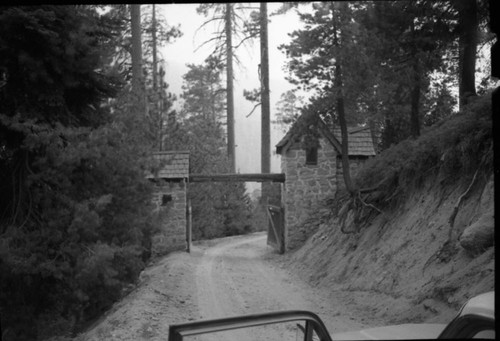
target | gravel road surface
x=221, y=278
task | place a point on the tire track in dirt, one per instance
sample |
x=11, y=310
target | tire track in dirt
x=225, y=277
x=233, y=278
x=218, y=293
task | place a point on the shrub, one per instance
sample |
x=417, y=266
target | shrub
x=450, y=149
x=82, y=237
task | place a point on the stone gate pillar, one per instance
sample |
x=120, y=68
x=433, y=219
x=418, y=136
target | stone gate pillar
x=170, y=200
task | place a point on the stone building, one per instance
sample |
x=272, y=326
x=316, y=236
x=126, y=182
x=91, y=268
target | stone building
x=170, y=198
x=315, y=173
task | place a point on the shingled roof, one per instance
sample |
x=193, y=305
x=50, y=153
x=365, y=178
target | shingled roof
x=174, y=165
x=360, y=140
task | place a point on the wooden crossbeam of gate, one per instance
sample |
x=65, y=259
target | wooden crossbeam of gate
x=250, y=177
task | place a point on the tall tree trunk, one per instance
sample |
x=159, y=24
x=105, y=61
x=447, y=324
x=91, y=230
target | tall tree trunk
x=468, y=26
x=342, y=120
x=156, y=94
x=229, y=88
x=155, y=59
x=138, y=89
x=346, y=170
x=266, y=108
x=135, y=18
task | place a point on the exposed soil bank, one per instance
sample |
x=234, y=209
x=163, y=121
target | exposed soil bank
x=400, y=255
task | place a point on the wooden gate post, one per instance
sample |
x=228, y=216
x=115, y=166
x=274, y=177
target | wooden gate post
x=283, y=229
x=189, y=223
x=275, y=234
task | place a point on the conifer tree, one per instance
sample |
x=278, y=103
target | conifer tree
x=75, y=219
x=218, y=209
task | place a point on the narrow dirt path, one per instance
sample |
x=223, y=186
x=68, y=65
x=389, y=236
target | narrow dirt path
x=221, y=278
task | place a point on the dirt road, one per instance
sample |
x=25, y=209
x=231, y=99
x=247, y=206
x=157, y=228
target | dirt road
x=221, y=278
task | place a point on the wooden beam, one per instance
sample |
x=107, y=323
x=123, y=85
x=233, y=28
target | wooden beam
x=258, y=177
x=329, y=136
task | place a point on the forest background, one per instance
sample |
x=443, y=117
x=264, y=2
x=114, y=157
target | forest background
x=78, y=123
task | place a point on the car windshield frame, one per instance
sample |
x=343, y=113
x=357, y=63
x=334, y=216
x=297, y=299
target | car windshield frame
x=312, y=324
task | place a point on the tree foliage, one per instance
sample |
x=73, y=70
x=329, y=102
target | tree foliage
x=52, y=64
x=219, y=209
x=159, y=101
x=288, y=109
x=393, y=54
x=156, y=34
x=75, y=215
x=203, y=93
x=123, y=38
x=451, y=150
x=386, y=64
x=243, y=30
x=225, y=42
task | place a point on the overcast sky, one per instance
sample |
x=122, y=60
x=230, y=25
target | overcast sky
x=247, y=130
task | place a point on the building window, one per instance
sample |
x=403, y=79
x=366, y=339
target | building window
x=165, y=199
x=312, y=156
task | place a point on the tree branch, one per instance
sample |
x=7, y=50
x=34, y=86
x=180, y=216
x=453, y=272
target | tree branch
x=451, y=219
x=369, y=189
x=206, y=42
x=244, y=39
x=208, y=22
x=368, y=205
x=453, y=215
x=255, y=107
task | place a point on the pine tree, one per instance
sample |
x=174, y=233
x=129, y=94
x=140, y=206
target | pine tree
x=75, y=215
x=226, y=42
x=218, y=209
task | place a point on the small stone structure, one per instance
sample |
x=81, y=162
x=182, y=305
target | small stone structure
x=313, y=174
x=171, y=201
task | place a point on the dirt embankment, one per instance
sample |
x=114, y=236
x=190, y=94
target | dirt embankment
x=401, y=255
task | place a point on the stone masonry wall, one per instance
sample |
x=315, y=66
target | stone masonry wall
x=305, y=186
x=171, y=233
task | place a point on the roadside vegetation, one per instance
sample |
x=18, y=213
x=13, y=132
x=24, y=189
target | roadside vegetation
x=395, y=67
x=458, y=149
x=75, y=208
x=83, y=103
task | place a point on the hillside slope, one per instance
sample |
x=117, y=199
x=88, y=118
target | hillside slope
x=403, y=253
